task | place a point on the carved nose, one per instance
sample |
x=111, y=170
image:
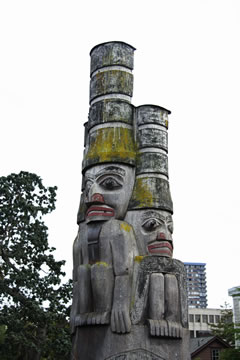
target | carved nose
x=161, y=236
x=97, y=197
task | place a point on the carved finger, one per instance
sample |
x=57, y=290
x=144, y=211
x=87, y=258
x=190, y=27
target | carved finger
x=94, y=317
x=174, y=329
x=127, y=322
x=116, y=321
x=83, y=319
x=152, y=327
x=177, y=330
x=113, y=322
x=121, y=322
x=89, y=319
x=157, y=327
x=180, y=331
x=104, y=318
x=98, y=318
x=166, y=328
x=163, y=329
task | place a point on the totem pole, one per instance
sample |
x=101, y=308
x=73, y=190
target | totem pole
x=129, y=295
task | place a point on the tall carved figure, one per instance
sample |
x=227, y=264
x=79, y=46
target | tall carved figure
x=129, y=297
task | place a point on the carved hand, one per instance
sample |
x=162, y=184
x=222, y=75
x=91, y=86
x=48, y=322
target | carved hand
x=120, y=321
x=120, y=317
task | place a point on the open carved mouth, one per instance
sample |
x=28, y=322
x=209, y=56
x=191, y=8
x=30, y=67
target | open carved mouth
x=103, y=210
x=161, y=248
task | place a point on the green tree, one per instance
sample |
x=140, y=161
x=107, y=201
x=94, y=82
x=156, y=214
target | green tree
x=230, y=354
x=34, y=302
x=225, y=328
x=228, y=331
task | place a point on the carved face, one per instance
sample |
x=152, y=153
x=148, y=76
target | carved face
x=108, y=188
x=154, y=230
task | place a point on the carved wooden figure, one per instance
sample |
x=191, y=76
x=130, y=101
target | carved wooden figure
x=158, y=300
x=129, y=296
x=105, y=249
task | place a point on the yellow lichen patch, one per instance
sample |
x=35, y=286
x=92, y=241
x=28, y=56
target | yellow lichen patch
x=125, y=226
x=166, y=122
x=138, y=259
x=102, y=263
x=100, y=82
x=142, y=194
x=112, y=144
x=132, y=303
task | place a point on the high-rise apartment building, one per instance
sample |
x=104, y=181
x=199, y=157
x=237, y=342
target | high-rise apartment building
x=196, y=284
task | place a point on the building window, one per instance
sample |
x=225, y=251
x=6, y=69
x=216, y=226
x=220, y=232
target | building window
x=217, y=318
x=204, y=319
x=191, y=318
x=197, y=318
x=215, y=354
x=211, y=318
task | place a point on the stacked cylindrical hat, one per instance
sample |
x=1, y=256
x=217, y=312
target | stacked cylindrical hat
x=109, y=129
x=151, y=186
x=111, y=71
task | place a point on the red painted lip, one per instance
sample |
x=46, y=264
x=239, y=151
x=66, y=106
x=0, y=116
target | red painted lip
x=157, y=248
x=100, y=211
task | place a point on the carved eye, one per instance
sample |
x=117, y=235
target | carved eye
x=151, y=225
x=110, y=183
x=170, y=227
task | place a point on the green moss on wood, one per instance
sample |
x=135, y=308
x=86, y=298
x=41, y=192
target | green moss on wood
x=112, y=144
x=142, y=195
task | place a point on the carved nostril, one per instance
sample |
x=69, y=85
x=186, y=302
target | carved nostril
x=97, y=197
x=161, y=236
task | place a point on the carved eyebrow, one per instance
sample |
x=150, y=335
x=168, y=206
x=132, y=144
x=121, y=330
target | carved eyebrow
x=112, y=170
x=152, y=214
x=88, y=177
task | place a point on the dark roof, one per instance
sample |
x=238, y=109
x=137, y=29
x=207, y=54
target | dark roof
x=198, y=344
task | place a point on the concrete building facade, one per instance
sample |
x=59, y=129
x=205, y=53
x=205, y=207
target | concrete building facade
x=235, y=293
x=200, y=320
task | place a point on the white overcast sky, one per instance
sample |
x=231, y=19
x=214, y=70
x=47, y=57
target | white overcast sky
x=187, y=60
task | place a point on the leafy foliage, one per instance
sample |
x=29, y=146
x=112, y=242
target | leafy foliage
x=225, y=328
x=33, y=301
x=230, y=354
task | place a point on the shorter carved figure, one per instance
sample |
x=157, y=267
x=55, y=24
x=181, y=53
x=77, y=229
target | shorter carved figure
x=157, y=289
